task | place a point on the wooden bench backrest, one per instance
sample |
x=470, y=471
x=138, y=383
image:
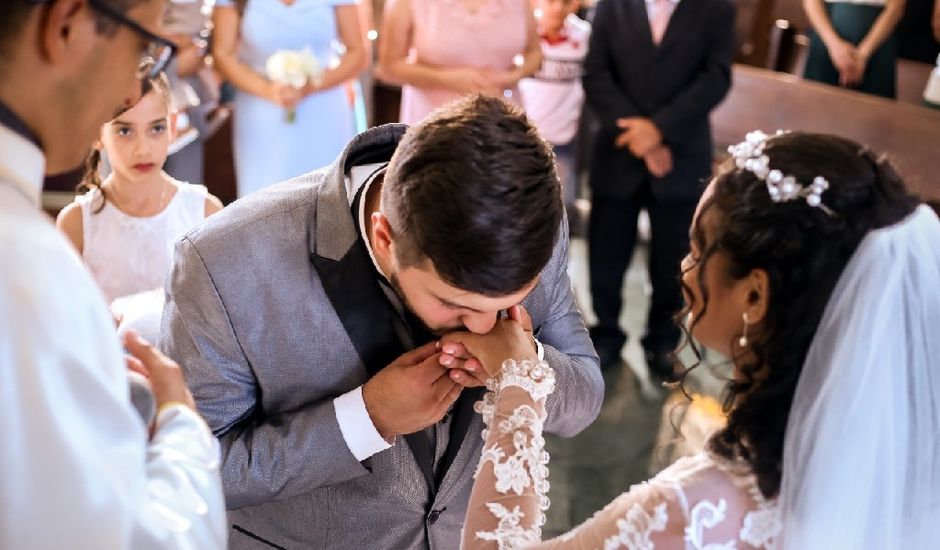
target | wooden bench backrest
x=766, y=100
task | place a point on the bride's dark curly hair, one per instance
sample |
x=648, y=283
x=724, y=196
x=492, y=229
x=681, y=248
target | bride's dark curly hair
x=803, y=250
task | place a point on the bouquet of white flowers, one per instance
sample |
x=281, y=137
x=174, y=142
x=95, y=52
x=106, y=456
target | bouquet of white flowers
x=295, y=69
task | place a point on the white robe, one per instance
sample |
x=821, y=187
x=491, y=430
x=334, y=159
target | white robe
x=76, y=467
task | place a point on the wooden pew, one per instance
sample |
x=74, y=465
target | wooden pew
x=783, y=33
x=766, y=100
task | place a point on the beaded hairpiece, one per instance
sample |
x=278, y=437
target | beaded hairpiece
x=749, y=155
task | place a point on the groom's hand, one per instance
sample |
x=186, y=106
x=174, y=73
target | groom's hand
x=412, y=393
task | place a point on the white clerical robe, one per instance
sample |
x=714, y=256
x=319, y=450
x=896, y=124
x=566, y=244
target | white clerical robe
x=76, y=467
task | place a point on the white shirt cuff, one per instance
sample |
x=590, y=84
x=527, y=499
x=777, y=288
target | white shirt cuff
x=539, y=349
x=356, y=425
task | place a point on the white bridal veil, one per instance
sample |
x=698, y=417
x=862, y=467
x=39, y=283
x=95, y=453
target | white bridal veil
x=861, y=465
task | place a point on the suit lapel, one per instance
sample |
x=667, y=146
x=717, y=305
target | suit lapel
x=640, y=16
x=643, y=43
x=361, y=306
x=680, y=16
x=367, y=318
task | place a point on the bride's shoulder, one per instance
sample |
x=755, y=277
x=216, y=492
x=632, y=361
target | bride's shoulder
x=697, y=501
x=708, y=474
x=713, y=490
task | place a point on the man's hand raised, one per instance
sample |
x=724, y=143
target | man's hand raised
x=411, y=394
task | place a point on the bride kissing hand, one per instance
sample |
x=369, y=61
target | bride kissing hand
x=474, y=358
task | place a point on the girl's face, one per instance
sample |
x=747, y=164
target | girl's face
x=137, y=141
x=721, y=323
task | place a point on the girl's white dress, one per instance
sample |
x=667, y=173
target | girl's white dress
x=129, y=254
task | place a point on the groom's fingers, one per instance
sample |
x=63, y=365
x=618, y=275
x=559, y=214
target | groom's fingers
x=451, y=397
x=519, y=314
x=442, y=387
x=418, y=355
x=427, y=372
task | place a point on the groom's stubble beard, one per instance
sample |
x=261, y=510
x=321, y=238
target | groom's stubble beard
x=436, y=331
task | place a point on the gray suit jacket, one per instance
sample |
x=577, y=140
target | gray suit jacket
x=273, y=310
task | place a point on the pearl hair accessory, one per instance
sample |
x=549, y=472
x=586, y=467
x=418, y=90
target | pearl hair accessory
x=749, y=155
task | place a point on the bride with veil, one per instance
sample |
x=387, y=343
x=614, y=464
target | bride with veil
x=817, y=272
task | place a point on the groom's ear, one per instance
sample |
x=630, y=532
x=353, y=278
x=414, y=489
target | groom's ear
x=382, y=240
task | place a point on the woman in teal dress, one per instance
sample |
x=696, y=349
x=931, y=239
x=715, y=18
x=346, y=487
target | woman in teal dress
x=853, y=44
x=268, y=147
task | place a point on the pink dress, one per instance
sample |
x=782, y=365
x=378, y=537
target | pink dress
x=447, y=34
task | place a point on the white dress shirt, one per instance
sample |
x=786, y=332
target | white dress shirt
x=649, y=7
x=76, y=467
x=358, y=429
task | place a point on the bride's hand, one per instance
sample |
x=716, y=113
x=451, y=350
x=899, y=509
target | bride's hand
x=509, y=339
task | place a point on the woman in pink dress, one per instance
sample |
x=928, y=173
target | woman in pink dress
x=440, y=50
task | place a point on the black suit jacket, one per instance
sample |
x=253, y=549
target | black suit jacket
x=676, y=84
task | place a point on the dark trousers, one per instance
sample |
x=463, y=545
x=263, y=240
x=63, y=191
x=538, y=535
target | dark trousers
x=612, y=234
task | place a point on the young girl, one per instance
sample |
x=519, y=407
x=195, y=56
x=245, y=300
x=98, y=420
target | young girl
x=125, y=227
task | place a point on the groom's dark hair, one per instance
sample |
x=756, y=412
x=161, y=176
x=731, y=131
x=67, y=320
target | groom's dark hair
x=473, y=189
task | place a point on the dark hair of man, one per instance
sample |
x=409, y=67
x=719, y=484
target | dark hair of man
x=473, y=188
x=804, y=252
x=15, y=13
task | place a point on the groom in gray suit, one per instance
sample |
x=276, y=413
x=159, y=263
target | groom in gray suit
x=306, y=316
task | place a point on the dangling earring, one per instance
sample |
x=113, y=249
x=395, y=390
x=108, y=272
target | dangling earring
x=742, y=341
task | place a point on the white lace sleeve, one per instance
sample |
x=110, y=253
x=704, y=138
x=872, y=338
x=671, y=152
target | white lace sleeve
x=508, y=501
x=509, y=497
x=693, y=504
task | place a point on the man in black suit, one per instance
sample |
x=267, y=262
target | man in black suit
x=654, y=71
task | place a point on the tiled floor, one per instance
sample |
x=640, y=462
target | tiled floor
x=589, y=470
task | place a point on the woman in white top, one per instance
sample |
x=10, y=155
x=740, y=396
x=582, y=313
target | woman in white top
x=853, y=44
x=816, y=272
x=125, y=227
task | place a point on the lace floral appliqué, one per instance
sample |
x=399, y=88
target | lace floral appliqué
x=706, y=515
x=763, y=525
x=527, y=466
x=635, y=529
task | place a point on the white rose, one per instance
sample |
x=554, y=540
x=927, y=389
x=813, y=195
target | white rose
x=288, y=67
x=294, y=68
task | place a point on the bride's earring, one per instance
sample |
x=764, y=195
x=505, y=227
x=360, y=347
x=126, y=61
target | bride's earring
x=742, y=341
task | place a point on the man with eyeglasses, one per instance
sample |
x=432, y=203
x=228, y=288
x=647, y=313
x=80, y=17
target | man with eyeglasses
x=79, y=469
